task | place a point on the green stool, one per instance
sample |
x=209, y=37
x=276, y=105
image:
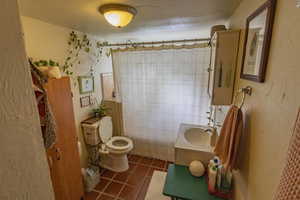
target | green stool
x=180, y=184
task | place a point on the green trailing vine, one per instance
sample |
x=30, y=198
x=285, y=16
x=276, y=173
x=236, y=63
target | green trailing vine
x=46, y=63
x=80, y=44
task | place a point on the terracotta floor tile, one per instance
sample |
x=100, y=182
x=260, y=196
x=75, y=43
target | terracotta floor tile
x=132, y=167
x=134, y=158
x=105, y=197
x=108, y=174
x=151, y=170
x=102, y=170
x=141, y=170
x=102, y=184
x=129, y=193
x=144, y=189
x=91, y=195
x=135, y=179
x=147, y=182
x=122, y=177
x=113, y=188
x=159, y=163
x=146, y=161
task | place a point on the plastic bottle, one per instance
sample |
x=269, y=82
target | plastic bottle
x=212, y=177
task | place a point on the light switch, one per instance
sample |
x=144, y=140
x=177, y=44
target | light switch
x=298, y=3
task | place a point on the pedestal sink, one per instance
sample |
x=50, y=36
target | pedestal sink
x=194, y=142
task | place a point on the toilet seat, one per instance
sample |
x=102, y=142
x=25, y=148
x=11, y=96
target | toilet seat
x=119, y=143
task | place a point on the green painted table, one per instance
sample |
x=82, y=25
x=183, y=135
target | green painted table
x=180, y=184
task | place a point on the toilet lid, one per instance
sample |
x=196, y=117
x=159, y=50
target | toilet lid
x=105, y=129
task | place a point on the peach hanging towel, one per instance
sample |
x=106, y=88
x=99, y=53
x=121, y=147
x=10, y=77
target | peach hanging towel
x=289, y=186
x=228, y=142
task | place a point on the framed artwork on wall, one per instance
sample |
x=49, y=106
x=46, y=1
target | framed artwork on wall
x=258, y=36
x=86, y=84
x=85, y=101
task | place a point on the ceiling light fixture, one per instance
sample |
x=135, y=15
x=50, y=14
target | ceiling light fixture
x=118, y=15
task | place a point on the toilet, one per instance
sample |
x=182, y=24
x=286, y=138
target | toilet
x=113, y=149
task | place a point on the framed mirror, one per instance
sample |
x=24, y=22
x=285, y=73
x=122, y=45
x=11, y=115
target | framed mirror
x=257, y=42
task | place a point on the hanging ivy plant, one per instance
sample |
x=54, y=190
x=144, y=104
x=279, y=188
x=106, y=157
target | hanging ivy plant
x=78, y=44
x=46, y=63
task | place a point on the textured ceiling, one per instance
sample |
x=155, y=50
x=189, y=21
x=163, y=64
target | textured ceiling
x=153, y=15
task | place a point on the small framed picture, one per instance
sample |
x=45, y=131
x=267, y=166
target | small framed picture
x=85, y=101
x=86, y=84
x=257, y=42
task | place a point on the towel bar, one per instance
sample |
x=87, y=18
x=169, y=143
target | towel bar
x=246, y=90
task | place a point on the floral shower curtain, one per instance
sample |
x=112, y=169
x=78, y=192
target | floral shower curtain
x=160, y=89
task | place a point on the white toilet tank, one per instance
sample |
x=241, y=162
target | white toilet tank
x=105, y=129
x=91, y=133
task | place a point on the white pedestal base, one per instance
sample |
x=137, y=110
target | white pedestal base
x=114, y=162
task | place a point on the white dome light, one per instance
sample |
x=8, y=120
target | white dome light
x=118, y=15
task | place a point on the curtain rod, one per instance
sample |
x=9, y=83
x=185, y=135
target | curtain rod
x=157, y=42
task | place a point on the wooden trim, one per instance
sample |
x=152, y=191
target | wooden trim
x=271, y=6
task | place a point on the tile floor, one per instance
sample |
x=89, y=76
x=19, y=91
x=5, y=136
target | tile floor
x=130, y=185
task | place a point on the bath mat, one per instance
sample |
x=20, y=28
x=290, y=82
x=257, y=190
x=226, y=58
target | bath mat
x=155, y=190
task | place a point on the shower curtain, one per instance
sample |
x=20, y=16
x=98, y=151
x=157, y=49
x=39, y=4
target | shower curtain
x=160, y=89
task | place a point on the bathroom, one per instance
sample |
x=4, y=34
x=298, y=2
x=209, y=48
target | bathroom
x=129, y=82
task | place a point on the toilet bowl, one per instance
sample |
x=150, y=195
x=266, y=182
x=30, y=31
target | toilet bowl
x=114, y=149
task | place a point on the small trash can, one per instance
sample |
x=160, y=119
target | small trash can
x=91, y=178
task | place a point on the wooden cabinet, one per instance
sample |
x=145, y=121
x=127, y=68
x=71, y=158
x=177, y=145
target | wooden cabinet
x=63, y=157
x=224, y=50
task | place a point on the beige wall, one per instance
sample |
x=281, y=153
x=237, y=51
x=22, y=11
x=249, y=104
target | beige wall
x=24, y=172
x=48, y=41
x=271, y=110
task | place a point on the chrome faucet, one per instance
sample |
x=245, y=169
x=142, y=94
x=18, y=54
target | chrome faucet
x=213, y=134
x=210, y=129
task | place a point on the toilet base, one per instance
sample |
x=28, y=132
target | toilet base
x=114, y=162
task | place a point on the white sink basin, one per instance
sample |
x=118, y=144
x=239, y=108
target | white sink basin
x=194, y=143
x=197, y=137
